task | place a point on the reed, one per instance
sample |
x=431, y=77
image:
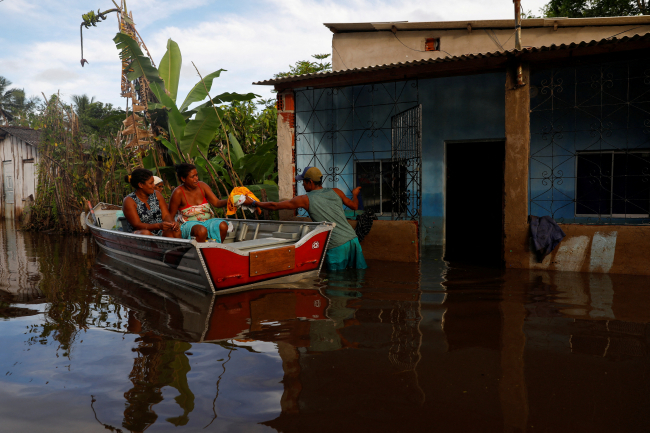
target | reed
x=76, y=167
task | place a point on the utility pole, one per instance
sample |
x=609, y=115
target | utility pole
x=520, y=72
x=517, y=24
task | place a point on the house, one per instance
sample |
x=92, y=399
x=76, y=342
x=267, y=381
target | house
x=19, y=156
x=467, y=146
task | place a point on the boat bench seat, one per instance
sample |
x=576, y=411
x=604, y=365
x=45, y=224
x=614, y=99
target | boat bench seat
x=260, y=243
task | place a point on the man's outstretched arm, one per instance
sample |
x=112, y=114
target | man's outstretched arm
x=295, y=203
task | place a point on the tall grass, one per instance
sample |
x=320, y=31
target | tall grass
x=75, y=168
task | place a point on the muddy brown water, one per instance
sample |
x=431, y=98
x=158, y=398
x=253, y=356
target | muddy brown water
x=88, y=345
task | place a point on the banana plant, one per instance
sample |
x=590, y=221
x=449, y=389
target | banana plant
x=190, y=130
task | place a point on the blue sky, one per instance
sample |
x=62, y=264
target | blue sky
x=251, y=39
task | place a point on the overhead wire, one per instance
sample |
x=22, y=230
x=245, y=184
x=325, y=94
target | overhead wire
x=337, y=52
x=420, y=51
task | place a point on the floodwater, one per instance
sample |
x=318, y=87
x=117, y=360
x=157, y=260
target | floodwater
x=88, y=345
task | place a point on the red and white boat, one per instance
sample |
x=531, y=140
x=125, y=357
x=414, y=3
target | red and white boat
x=252, y=255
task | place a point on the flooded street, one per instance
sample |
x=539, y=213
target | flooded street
x=89, y=345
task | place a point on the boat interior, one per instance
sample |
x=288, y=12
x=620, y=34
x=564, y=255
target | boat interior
x=248, y=234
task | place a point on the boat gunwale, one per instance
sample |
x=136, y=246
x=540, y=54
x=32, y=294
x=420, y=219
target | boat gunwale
x=319, y=228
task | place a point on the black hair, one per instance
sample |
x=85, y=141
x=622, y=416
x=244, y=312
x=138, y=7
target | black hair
x=138, y=176
x=317, y=183
x=183, y=170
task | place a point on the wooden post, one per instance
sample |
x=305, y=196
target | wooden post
x=517, y=118
x=264, y=197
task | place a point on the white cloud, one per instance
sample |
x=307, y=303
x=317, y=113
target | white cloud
x=251, y=42
x=56, y=75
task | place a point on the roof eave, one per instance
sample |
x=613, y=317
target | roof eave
x=485, y=24
x=458, y=65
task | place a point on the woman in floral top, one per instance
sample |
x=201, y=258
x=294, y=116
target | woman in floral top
x=145, y=209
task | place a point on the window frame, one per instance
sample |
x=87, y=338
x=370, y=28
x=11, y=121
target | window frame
x=611, y=193
x=381, y=183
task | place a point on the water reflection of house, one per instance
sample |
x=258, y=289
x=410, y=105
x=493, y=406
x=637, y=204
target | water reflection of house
x=19, y=270
x=587, y=346
x=456, y=140
x=19, y=157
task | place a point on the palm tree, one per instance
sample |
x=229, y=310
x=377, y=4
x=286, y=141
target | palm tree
x=13, y=102
x=6, y=100
x=82, y=103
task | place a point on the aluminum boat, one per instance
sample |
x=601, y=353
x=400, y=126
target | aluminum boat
x=255, y=253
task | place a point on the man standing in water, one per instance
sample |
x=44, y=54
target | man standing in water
x=325, y=204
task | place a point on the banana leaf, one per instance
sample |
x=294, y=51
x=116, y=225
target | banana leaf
x=237, y=152
x=170, y=68
x=172, y=150
x=259, y=167
x=175, y=118
x=140, y=64
x=148, y=162
x=199, y=132
x=198, y=92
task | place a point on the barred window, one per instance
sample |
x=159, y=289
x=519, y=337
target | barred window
x=590, y=142
x=615, y=184
x=378, y=180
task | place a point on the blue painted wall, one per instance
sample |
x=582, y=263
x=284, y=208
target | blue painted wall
x=336, y=126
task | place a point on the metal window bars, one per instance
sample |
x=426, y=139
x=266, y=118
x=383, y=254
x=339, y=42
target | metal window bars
x=337, y=127
x=590, y=143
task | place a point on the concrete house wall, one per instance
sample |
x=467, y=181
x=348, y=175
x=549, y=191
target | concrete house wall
x=368, y=44
x=19, y=160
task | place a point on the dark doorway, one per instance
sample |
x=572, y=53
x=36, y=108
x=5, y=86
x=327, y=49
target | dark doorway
x=474, y=202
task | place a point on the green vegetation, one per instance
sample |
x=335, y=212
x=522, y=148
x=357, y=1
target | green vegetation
x=209, y=134
x=96, y=117
x=15, y=108
x=307, y=66
x=592, y=8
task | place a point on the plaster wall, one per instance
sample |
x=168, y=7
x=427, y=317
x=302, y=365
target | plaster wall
x=19, y=153
x=286, y=150
x=361, y=49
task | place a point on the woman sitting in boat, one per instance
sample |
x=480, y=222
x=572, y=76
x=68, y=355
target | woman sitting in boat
x=145, y=208
x=192, y=201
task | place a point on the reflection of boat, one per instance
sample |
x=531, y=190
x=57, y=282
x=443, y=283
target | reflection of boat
x=192, y=316
x=255, y=252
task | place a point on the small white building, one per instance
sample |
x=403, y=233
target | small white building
x=19, y=156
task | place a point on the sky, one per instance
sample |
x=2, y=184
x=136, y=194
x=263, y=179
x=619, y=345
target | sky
x=251, y=39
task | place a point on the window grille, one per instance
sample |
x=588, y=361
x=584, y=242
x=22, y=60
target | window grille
x=590, y=143
x=367, y=130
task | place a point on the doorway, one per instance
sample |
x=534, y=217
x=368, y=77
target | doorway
x=474, y=202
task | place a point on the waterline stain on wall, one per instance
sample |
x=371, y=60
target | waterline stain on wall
x=603, y=248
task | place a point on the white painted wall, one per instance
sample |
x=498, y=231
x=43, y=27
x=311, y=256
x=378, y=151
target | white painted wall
x=23, y=169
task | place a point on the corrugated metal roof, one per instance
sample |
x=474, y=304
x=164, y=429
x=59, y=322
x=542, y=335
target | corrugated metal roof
x=28, y=135
x=465, y=57
x=487, y=24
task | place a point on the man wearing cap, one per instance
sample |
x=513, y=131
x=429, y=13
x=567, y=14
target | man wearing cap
x=326, y=204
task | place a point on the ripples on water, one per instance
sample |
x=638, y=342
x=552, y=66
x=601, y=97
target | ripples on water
x=89, y=345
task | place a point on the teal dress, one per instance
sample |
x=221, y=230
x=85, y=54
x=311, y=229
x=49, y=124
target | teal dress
x=344, y=250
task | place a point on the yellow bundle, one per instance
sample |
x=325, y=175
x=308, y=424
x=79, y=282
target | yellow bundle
x=240, y=190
